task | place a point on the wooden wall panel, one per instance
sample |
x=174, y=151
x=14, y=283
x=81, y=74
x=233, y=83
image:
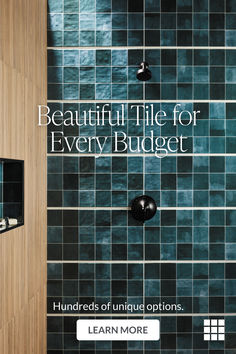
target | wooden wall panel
x=23, y=67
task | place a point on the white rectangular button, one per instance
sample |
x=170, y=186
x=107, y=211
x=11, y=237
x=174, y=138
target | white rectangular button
x=118, y=330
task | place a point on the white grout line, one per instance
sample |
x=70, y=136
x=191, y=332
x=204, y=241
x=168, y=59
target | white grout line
x=142, y=315
x=141, y=101
x=88, y=208
x=135, y=154
x=128, y=208
x=144, y=262
x=139, y=47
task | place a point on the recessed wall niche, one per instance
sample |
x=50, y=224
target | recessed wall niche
x=11, y=194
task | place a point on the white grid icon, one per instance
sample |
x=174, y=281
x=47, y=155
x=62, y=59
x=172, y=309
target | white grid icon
x=214, y=330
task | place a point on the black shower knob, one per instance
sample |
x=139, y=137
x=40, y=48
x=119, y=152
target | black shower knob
x=143, y=208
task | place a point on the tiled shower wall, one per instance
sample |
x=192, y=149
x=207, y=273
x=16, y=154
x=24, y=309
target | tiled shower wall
x=186, y=253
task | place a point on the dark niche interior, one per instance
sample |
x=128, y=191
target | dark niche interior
x=11, y=194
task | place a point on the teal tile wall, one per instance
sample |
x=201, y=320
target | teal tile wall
x=193, y=181
x=124, y=23
x=199, y=74
x=198, y=287
x=214, y=132
x=179, y=335
x=114, y=235
x=182, y=255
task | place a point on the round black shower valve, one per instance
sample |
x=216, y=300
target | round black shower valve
x=143, y=208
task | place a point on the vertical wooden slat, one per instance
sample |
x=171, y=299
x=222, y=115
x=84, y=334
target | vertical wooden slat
x=23, y=83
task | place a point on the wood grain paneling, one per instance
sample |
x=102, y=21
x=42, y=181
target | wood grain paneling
x=23, y=69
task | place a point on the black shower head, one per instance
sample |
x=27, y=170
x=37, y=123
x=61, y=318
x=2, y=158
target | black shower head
x=144, y=74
